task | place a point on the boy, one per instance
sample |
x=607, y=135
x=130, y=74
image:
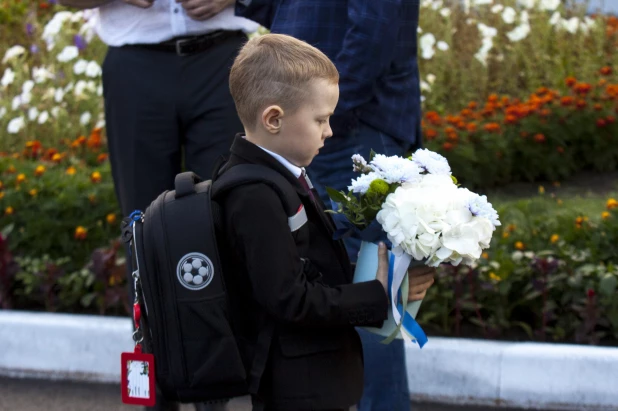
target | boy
x=292, y=298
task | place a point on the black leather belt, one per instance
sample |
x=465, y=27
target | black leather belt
x=191, y=45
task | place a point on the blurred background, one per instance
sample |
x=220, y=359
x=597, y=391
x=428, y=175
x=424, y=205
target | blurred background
x=520, y=96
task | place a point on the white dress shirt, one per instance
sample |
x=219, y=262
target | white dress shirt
x=120, y=23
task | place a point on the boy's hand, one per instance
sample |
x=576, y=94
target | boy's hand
x=382, y=274
x=143, y=4
x=204, y=9
x=421, y=278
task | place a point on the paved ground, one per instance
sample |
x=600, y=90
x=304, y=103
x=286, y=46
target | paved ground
x=38, y=395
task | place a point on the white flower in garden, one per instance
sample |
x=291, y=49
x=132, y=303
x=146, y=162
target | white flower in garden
x=100, y=123
x=555, y=18
x=431, y=162
x=80, y=67
x=419, y=30
x=80, y=88
x=508, y=15
x=436, y=4
x=497, y=8
x=481, y=2
x=77, y=16
x=361, y=184
x=33, y=113
x=3, y=111
x=55, y=111
x=442, y=45
x=528, y=4
x=67, y=54
x=525, y=17
x=27, y=86
x=13, y=52
x=483, y=52
x=41, y=74
x=431, y=78
x=91, y=86
x=69, y=87
x=571, y=25
x=519, y=33
x=53, y=28
x=16, y=124
x=59, y=95
x=425, y=86
x=395, y=169
x=93, y=69
x=445, y=12
x=85, y=118
x=8, y=77
x=427, y=42
x=590, y=23
x=549, y=5
x=100, y=90
x=43, y=117
x=16, y=103
x=486, y=31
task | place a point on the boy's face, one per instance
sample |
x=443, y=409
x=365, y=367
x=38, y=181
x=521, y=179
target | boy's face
x=303, y=132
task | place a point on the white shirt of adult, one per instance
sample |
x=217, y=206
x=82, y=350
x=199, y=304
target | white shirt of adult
x=119, y=23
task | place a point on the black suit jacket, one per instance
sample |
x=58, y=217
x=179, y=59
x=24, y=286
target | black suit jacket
x=300, y=282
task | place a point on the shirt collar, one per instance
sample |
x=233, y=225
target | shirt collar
x=297, y=171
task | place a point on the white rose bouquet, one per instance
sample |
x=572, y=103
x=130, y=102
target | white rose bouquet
x=416, y=205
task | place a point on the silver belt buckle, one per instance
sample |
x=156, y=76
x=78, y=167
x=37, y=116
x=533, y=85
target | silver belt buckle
x=179, y=44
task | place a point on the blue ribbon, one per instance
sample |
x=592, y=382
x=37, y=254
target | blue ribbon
x=409, y=324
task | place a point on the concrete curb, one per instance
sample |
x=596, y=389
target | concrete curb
x=450, y=370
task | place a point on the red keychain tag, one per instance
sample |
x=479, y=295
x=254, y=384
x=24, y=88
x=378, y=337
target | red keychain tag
x=138, y=378
x=137, y=371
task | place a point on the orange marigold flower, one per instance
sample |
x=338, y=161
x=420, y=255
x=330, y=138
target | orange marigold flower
x=598, y=107
x=1, y=185
x=545, y=112
x=519, y=245
x=472, y=105
x=471, y=127
x=95, y=177
x=610, y=119
x=71, y=171
x=554, y=238
x=539, y=138
x=606, y=71
x=611, y=204
x=510, y=119
x=20, y=178
x=492, y=98
x=33, y=192
x=11, y=169
x=492, y=127
x=447, y=146
x=102, y=157
x=485, y=256
x=81, y=233
x=605, y=215
x=579, y=220
x=56, y=158
x=582, y=88
x=581, y=104
x=39, y=171
x=110, y=218
x=566, y=101
x=1, y=195
x=9, y=210
x=466, y=112
x=560, y=149
x=601, y=122
x=430, y=134
x=570, y=81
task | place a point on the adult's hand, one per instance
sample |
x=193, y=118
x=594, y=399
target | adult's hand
x=143, y=4
x=204, y=9
x=421, y=278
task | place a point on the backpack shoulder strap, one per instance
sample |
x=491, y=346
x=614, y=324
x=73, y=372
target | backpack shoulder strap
x=244, y=174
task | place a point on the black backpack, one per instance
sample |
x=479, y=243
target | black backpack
x=180, y=284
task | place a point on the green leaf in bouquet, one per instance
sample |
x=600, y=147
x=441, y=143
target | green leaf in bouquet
x=336, y=196
x=372, y=154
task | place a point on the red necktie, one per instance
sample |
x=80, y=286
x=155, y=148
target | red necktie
x=303, y=182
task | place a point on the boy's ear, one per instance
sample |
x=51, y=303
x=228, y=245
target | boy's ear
x=271, y=119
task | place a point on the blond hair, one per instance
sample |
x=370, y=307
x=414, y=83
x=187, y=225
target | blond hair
x=275, y=69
